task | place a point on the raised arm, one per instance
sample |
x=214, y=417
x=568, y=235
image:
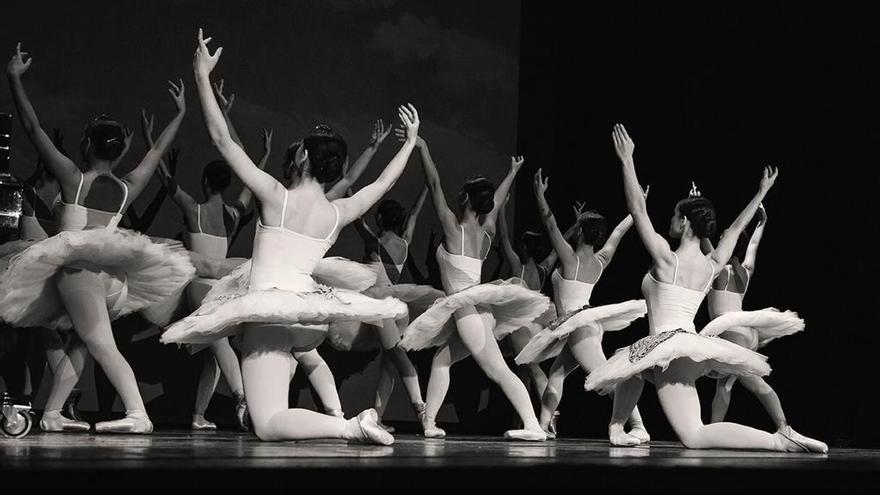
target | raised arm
x=563, y=249
x=448, y=221
x=351, y=175
x=570, y=235
x=726, y=245
x=506, y=245
x=140, y=176
x=361, y=201
x=246, y=195
x=607, y=252
x=413, y=217
x=656, y=245
x=503, y=189
x=755, y=240
x=262, y=184
x=64, y=170
x=167, y=169
x=226, y=108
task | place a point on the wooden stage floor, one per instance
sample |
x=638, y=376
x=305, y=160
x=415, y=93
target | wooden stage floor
x=227, y=460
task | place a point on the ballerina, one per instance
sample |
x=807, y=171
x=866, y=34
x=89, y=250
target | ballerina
x=576, y=337
x=274, y=298
x=753, y=330
x=482, y=312
x=92, y=272
x=210, y=225
x=673, y=355
x=386, y=251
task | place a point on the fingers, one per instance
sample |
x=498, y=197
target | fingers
x=405, y=116
x=415, y=112
x=231, y=100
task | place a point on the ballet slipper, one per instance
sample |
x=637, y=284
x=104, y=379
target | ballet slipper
x=241, y=413
x=551, y=427
x=618, y=437
x=365, y=428
x=429, y=428
x=131, y=423
x=793, y=441
x=199, y=423
x=526, y=435
x=638, y=431
x=53, y=421
x=389, y=429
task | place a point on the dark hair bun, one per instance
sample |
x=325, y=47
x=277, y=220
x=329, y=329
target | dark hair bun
x=390, y=216
x=594, y=228
x=327, y=153
x=701, y=213
x=106, y=137
x=218, y=175
x=480, y=193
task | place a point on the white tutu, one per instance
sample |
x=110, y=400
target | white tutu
x=361, y=336
x=716, y=356
x=230, y=303
x=758, y=327
x=510, y=304
x=146, y=273
x=608, y=318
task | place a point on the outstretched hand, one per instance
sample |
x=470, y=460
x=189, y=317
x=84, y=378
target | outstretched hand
x=623, y=144
x=769, y=178
x=409, y=116
x=540, y=184
x=177, y=94
x=267, y=139
x=380, y=132
x=18, y=66
x=579, y=209
x=203, y=61
x=516, y=161
x=225, y=103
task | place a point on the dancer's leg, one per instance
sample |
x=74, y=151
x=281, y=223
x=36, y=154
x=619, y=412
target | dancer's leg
x=438, y=383
x=477, y=336
x=266, y=370
x=563, y=365
x=518, y=341
x=83, y=295
x=322, y=380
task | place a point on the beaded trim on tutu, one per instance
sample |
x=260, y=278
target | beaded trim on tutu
x=607, y=318
x=716, y=356
x=150, y=272
x=510, y=304
x=361, y=336
x=758, y=327
x=230, y=303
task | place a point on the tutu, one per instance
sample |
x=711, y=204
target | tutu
x=333, y=298
x=141, y=273
x=758, y=327
x=361, y=336
x=608, y=318
x=511, y=305
x=716, y=356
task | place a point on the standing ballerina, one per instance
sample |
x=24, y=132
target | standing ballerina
x=91, y=272
x=673, y=355
x=752, y=330
x=482, y=312
x=386, y=252
x=531, y=274
x=278, y=302
x=577, y=335
x=209, y=227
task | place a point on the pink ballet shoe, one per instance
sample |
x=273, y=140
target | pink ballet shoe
x=58, y=423
x=793, y=441
x=139, y=424
x=370, y=429
x=526, y=435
